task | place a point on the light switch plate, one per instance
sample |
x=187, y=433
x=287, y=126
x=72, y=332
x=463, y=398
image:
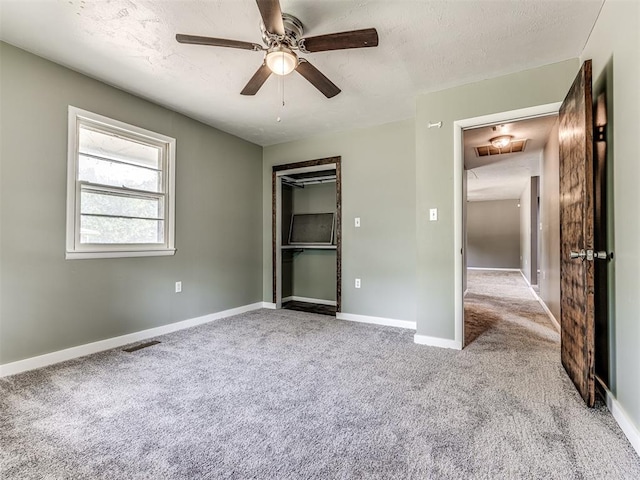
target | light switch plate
x=433, y=214
x=357, y=222
x=178, y=287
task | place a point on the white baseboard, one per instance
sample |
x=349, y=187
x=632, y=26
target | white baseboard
x=551, y=316
x=269, y=305
x=389, y=322
x=627, y=426
x=317, y=301
x=437, y=342
x=115, y=342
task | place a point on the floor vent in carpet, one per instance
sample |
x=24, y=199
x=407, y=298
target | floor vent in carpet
x=140, y=346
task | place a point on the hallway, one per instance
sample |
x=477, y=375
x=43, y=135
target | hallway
x=510, y=335
x=500, y=304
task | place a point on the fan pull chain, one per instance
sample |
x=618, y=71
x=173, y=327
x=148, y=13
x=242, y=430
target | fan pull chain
x=281, y=84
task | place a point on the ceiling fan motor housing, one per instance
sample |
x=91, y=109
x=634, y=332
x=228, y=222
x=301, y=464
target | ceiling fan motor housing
x=293, y=30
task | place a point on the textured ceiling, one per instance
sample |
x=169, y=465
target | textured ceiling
x=502, y=177
x=424, y=46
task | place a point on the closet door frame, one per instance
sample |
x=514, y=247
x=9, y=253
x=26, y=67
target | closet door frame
x=276, y=220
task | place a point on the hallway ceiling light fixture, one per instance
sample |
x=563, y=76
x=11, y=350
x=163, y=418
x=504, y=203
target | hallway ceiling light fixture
x=501, y=141
x=512, y=146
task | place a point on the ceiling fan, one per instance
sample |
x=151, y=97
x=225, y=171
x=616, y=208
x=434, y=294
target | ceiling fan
x=282, y=35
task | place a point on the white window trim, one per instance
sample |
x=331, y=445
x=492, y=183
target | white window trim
x=74, y=250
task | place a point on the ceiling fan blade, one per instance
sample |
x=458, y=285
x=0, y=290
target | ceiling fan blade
x=317, y=79
x=257, y=80
x=271, y=15
x=216, y=42
x=340, y=41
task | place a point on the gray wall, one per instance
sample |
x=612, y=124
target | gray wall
x=314, y=274
x=314, y=271
x=613, y=47
x=435, y=168
x=549, y=280
x=493, y=234
x=378, y=185
x=48, y=303
x=535, y=228
x=529, y=231
x=320, y=198
x=525, y=231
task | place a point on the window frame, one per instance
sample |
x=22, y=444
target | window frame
x=76, y=250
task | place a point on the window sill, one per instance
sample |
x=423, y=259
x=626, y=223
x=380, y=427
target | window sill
x=119, y=254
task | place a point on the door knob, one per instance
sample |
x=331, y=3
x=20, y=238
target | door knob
x=581, y=254
x=590, y=255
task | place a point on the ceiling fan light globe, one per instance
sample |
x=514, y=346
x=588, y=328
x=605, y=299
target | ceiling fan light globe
x=282, y=61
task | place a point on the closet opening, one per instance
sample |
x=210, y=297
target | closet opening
x=306, y=236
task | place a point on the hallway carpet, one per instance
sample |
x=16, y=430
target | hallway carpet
x=279, y=394
x=502, y=302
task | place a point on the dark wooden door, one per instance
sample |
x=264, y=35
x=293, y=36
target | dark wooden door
x=577, y=235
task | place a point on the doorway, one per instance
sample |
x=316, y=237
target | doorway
x=504, y=166
x=580, y=186
x=460, y=200
x=307, y=235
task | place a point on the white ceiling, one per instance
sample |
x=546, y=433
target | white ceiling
x=424, y=46
x=503, y=177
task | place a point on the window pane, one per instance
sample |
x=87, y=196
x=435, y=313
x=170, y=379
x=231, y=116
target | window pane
x=111, y=146
x=106, y=230
x=105, y=203
x=118, y=174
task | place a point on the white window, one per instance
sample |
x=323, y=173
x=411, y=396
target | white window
x=120, y=189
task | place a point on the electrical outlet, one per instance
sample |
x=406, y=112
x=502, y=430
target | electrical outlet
x=178, y=287
x=357, y=283
x=357, y=222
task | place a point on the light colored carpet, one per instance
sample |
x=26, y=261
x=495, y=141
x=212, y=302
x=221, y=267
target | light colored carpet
x=285, y=394
x=503, y=303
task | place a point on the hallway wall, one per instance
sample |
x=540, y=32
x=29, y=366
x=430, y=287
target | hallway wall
x=528, y=231
x=493, y=234
x=549, y=280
